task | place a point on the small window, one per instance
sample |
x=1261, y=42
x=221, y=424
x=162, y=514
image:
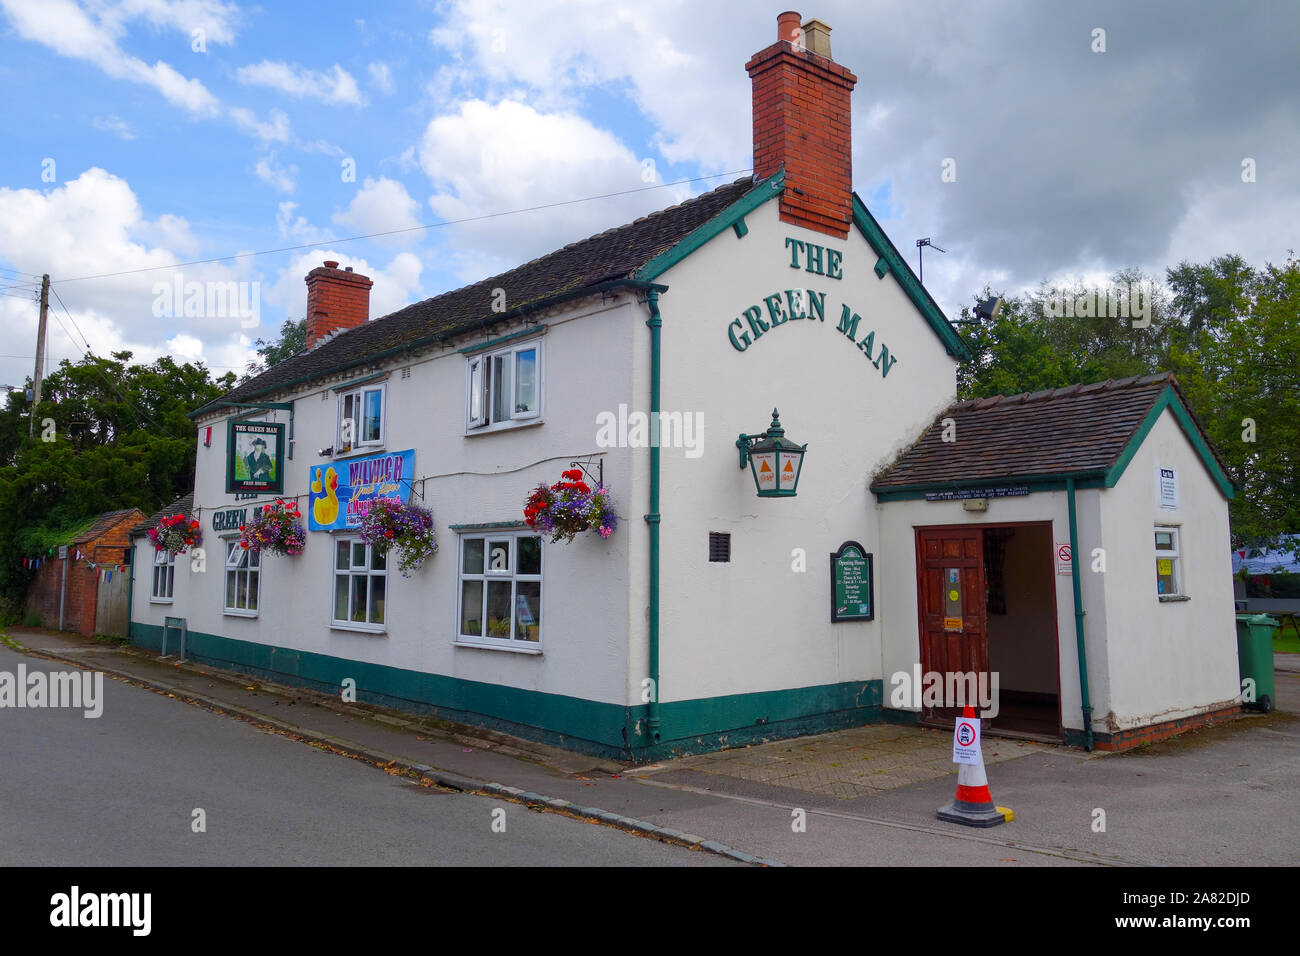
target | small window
x=360, y=584
x=361, y=419
x=719, y=546
x=505, y=386
x=243, y=579
x=1168, y=563
x=500, y=600
x=164, y=576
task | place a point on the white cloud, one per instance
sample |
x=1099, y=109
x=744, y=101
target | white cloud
x=297, y=228
x=70, y=30
x=381, y=77
x=382, y=205
x=94, y=225
x=336, y=85
x=275, y=131
x=493, y=158
x=281, y=178
x=115, y=125
x=396, y=285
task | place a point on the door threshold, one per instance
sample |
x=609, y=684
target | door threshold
x=1024, y=735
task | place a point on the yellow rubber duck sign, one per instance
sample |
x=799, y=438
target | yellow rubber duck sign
x=324, y=495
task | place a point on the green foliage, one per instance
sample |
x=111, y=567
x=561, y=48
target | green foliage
x=120, y=439
x=292, y=340
x=1230, y=333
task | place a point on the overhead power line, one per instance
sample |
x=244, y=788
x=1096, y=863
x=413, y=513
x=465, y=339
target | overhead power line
x=394, y=232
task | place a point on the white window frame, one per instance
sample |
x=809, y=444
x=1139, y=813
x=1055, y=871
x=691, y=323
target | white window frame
x=358, y=394
x=1176, y=555
x=509, y=642
x=164, y=562
x=479, y=381
x=355, y=570
x=246, y=562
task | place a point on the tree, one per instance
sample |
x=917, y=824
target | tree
x=292, y=340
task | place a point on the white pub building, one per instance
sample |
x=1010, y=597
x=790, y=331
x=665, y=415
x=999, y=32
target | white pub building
x=1074, y=542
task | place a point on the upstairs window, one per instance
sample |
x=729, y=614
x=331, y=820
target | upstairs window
x=505, y=386
x=361, y=419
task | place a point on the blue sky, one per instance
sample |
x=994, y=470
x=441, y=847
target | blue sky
x=1071, y=161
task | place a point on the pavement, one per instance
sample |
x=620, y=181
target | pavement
x=863, y=796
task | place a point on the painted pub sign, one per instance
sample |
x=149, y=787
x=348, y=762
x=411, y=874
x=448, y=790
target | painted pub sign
x=340, y=493
x=255, y=458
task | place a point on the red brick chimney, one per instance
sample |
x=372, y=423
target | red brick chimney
x=802, y=122
x=335, y=300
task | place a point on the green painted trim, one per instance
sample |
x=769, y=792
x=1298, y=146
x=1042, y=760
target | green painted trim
x=353, y=383
x=691, y=726
x=1047, y=482
x=740, y=228
x=767, y=189
x=493, y=343
x=908, y=718
x=882, y=267
x=654, y=730
x=1168, y=399
x=1077, y=583
x=929, y=310
x=487, y=525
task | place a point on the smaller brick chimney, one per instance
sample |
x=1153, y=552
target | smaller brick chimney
x=336, y=300
x=802, y=122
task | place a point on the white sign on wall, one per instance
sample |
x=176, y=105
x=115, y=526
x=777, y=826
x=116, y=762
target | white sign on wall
x=1064, y=558
x=966, y=740
x=1167, y=482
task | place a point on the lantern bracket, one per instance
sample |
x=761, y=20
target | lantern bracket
x=746, y=442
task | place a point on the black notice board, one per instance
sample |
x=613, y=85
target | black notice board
x=852, y=584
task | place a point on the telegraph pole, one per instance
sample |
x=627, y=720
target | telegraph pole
x=40, y=350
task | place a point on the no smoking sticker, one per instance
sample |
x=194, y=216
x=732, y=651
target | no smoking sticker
x=966, y=740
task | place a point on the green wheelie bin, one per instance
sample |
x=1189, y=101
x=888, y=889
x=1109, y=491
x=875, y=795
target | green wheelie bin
x=1255, y=657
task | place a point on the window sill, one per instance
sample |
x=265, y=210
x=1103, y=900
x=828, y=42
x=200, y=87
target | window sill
x=374, y=630
x=154, y=600
x=484, y=645
x=1172, y=598
x=235, y=612
x=358, y=451
x=504, y=427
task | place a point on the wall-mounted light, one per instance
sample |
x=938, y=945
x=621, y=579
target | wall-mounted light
x=774, y=461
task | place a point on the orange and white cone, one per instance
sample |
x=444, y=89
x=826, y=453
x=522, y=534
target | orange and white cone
x=973, y=805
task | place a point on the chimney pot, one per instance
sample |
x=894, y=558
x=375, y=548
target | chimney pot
x=331, y=264
x=787, y=27
x=817, y=38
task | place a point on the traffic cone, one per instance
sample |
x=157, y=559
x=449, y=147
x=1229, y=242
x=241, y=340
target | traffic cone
x=973, y=805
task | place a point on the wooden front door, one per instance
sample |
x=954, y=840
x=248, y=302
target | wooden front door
x=950, y=594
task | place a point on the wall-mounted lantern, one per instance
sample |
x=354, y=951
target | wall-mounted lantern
x=774, y=460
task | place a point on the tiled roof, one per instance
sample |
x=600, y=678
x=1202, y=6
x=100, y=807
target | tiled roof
x=181, y=506
x=1080, y=428
x=614, y=254
x=102, y=524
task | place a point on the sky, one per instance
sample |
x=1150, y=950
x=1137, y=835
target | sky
x=147, y=142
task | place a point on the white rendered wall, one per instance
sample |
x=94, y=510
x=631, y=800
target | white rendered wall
x=1171, y=659
x=754, y=624
x=587, y=368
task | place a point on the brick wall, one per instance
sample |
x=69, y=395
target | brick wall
x=336, y=299
x=81, y=591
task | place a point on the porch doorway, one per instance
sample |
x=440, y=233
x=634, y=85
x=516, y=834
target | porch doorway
x=987, y=603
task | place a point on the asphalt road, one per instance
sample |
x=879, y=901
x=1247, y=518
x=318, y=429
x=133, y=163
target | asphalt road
x=122, y=790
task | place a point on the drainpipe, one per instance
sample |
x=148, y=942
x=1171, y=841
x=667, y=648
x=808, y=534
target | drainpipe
x=1078, y=618
x=63, y=588
x=655, y=322
x=130, y=586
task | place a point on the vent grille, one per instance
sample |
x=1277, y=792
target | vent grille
x=406, y=372
x=719, y=546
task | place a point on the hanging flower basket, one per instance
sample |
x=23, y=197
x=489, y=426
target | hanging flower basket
x=408, y=528
x=276, y=528
x=569, y=507
x=177, y=534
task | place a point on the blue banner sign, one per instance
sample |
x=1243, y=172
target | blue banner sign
x=339, y=494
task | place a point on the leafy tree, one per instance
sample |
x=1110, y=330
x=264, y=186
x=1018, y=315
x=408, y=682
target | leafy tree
x=292, y=340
